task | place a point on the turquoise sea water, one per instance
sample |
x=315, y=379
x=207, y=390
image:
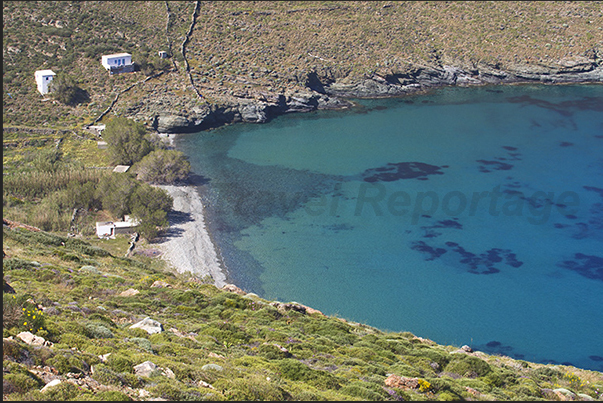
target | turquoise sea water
x=466, y=216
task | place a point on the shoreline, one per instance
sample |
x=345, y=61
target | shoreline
x=187, y=245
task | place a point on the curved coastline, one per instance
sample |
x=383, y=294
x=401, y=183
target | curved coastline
x=187, y=245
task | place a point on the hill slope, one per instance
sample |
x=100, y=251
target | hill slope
x=249, y=61
x=220, y=344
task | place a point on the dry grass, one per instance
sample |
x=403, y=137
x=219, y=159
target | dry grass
x=239, y=48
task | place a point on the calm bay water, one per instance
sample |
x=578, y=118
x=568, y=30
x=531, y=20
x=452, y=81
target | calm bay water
x=466, y=216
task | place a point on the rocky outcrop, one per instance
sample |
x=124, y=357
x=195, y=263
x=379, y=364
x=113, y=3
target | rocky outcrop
x=576, y=70
x=149, y=325
x=147, y=369
x=31, y=339
x=324, y=91
x=402, y=382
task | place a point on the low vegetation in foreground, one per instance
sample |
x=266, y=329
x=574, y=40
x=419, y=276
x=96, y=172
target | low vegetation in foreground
x=81, y=298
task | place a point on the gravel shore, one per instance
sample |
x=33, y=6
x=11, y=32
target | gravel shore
x=187, y=246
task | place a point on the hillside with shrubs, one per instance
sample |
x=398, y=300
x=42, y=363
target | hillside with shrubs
x=70, y=315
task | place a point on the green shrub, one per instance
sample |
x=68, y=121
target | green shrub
x=448, y=397
x=119, y=362
x=546, y=373
x=105, y=375
x=102, y=318
x=97, y=331
x=253, y=387
x=66, y=361
x=173, y=390
x=18, y=312
x=465, y=365
x=20, y=382
x=442, y=358
x=405, y=370
x=127, y=140
x=364, y=390
x=62, y=391
x=296, y=371
x=163, y=167
x=143, y=343
x=272, y=352
x=112, y=395
x=16, y=263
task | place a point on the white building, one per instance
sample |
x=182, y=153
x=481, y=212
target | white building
x=108, y=229
x=43, y=79
x=118, y=63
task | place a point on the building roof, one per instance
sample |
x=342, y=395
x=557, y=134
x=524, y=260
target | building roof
x=121, y=168
x=46, y=73
x=118, y=55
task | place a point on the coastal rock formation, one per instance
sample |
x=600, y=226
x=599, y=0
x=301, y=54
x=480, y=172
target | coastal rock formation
x=323, y=91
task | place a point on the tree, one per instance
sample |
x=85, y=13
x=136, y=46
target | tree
x=127, y=141
x=114, y=192
x=65, y=90
x=121, y=194
x=150, y=205
x=163, y=167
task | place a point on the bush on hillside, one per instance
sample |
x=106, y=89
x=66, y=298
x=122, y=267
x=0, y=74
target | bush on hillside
x=127, y=141
x=163, y=167
x=65, y=90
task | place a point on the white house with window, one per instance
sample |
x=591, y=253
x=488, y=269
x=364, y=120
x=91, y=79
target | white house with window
x=43, y=79
x=118, y=63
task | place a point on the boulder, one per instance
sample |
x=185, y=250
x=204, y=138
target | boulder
x=564, y=394
x=145, y=369
x=204, y=384
x=233, y=288
x=50, y=385
x=171, y=123
x=214, y=367
x=254, y=112
x=149, y=325
x=7, y=288
x=402, y=382
x=168, y=372
x=129, y=292
x=33, y=340
x=148, y=367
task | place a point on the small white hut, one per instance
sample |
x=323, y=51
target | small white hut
x=43, y=79
x=108, y=229
x=118, y=63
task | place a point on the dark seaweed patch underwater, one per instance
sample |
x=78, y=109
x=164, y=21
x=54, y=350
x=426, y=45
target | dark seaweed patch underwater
x=478, y=211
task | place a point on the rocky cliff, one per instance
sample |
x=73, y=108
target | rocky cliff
x=323, y=92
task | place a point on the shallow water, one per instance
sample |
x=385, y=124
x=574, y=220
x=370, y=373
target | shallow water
x=466, y=216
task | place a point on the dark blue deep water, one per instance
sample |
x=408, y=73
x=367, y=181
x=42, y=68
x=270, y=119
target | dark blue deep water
x=466, y=216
